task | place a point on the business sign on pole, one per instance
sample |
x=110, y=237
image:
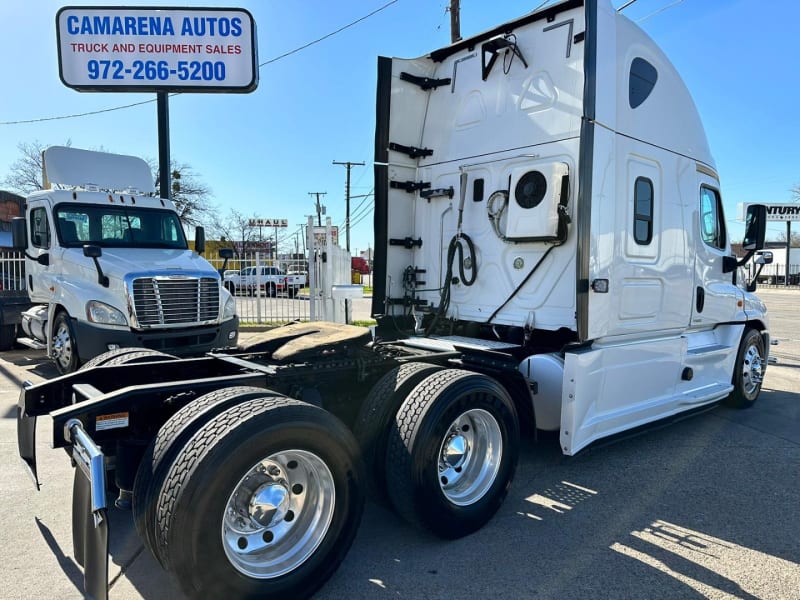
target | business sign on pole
x=268, y=222
x=130, y=49
x=777, y=212
x=320, y=236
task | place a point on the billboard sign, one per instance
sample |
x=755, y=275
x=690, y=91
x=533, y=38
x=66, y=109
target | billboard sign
x=268, y=222
x=130, y=49
x=777, y=212
x=320, y=236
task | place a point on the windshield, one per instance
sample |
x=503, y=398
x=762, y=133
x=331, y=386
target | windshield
x=118, y=227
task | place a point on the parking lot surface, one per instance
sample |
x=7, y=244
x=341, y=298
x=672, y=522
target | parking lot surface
x=703, y=508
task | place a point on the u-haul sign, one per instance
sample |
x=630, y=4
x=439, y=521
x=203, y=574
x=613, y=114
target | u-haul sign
x=150, y=49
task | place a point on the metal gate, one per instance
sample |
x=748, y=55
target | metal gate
x=262, y=285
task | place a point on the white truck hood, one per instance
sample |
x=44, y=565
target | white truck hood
x=119, y=262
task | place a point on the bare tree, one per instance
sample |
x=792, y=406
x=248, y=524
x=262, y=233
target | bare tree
x=237, y=230
x=25, y=173
x=796, y=192
x=795, y=239
x=191, y=196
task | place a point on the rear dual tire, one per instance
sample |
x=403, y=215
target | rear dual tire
x=452, y=452
x=263, y=500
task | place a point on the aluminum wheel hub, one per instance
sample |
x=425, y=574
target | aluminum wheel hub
x=269, y=504
x=278, y=513
x=470, y=457
x=753, y=370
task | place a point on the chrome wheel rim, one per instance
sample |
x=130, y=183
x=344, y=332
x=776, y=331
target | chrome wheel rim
x=470, y=457
x=278, y=514
x=752, y=370
x=62, y=346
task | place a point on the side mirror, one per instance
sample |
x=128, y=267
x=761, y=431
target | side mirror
x=227, y=254
x=94, y=252
x=755, y=228
x=764, y=258
x=200, y=239
x=19, y=237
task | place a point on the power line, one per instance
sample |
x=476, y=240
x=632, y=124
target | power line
x=326, y=36
x=659, y=11
x=270, y=61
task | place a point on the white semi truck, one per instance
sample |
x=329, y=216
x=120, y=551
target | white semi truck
x=108, y=265
x=550, y=249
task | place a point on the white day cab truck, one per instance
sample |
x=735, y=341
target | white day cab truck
x=551, y=250
x=108, y=265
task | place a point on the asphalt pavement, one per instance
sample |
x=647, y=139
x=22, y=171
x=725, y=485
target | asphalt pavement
x=704, y=508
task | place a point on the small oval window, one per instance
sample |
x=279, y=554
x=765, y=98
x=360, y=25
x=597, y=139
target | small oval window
x=642, y=80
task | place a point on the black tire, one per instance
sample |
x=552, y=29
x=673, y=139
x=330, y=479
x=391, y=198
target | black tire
x=8, y=335
x=376, y=416
x=193, y=514
x=230, y=287
x=272, y=290
x=64, y=348
x=749, y=371
x=134, y=355
x=170, y=439
x=447, y=410
x=292, y=292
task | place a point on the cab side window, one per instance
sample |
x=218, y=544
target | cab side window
x=712, y=219
x=40, y=228
x=643, y=211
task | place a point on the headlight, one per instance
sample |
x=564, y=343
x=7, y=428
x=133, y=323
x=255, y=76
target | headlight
x=230, y=309
x=100, y=312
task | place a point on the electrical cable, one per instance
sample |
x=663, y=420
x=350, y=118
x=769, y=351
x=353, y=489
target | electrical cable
x=659, y=11
x=455, y=246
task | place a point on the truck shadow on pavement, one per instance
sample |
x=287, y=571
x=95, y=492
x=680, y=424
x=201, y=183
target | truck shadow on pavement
x=68, y=565
x=34, y=361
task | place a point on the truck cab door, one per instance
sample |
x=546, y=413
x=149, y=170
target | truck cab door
x=715, y=295
x=38, y=257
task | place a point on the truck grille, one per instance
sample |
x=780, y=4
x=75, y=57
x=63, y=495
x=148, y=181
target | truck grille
x=175, y=300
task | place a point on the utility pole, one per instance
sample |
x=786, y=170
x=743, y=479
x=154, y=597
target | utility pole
x=319, y=206
x=349, y=165
x=455, y=21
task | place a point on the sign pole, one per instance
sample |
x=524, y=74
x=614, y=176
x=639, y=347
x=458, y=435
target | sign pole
x=788, y=251
x=164, y=171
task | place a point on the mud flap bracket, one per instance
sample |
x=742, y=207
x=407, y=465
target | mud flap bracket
x=26, y=437
x=89, y=511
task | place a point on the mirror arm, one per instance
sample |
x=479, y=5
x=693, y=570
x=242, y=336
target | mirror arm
x=101, y=278
x=747, y=257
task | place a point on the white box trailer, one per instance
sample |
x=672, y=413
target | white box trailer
x=550, y=247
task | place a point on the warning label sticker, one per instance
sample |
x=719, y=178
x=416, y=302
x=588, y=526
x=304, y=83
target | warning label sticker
x=113, y=421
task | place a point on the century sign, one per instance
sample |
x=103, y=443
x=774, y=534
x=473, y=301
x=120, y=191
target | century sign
x=150, y=49
x=778, y=212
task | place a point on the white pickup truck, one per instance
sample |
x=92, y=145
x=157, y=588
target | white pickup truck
x=296, y=279
x=269, y=280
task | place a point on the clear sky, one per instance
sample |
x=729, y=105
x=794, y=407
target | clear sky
x=261, y=153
